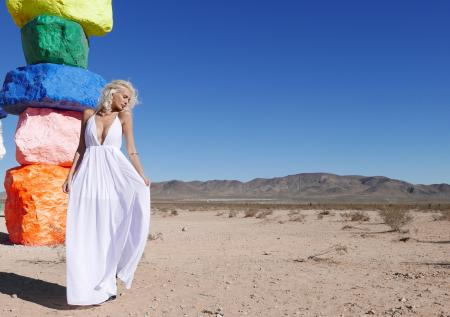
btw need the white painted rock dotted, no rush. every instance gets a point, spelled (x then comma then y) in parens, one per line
(47, 136)
(2, 147)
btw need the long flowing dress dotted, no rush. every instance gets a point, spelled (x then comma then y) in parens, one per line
(108, 219)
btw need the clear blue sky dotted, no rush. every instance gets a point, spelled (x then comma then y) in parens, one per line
(240, 89)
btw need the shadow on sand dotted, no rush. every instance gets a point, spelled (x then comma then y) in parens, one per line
(443, 264)
(43, 293)
(4, 239)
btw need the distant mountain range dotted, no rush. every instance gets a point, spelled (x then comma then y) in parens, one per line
(304, 187)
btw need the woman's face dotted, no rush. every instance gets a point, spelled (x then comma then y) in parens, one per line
(120, 99)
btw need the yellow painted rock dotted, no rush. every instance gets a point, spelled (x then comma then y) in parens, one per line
(36, 206)
(95, 16)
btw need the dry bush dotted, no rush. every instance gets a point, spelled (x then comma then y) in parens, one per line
(338, 249)
(355, 216)
(250, 212)
(155, 236)
(297, 217)
(443, 216)
(323, 213)
(220, 213)
(61, 253)
(174, 212)
(264, 213)
(232, 213)
(216, 205)
(395, 216)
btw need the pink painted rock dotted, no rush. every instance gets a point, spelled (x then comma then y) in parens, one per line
(47, 136)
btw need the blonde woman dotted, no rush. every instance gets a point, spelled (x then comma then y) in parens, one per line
(108, 215)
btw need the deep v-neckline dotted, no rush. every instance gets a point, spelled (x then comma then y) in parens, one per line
(107, 131)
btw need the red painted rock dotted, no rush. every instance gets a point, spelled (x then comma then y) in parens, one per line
(35, 208)
(47, 136)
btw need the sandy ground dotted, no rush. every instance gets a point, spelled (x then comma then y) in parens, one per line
(222, 266)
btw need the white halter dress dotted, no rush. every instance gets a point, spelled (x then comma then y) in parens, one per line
(108, 219)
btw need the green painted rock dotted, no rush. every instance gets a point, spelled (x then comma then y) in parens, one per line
(52, 39)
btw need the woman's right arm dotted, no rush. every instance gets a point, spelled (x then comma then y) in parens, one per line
(78, 157)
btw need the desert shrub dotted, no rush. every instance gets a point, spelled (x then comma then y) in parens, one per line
(323, 213)
(219, 213)
(250, 212)
(444, 215)
(155, 236)
(232, 213)
(174, 212)
(264, 213)
(355, 216)
(297, 217)
(395, 216)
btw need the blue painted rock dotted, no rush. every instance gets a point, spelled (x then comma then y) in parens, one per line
(52, 39)
(50, 86)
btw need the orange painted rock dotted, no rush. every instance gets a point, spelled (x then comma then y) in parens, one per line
(35, 208)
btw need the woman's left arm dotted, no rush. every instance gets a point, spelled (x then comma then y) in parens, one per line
(127, 124)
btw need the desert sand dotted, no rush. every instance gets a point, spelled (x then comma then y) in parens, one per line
(205, 263)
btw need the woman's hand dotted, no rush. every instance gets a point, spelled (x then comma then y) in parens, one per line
(146, 180)
(66, 185)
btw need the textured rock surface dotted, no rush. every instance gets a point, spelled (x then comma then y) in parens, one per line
(47, 136)
(50, 86)
(94, 15)
(35, 208)
(52, 39)
(2, 147)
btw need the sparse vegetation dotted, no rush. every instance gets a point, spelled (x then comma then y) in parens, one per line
(293, 212)
(232, 213)
(250, 212)
(297, 217)
(395, 216)
(264, 214)
(355, 216)
(61, 253)
(323, 213)
(237, 205)
(338, 248)
(155, 236)
(443, 216)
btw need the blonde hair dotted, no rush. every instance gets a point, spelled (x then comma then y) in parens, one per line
(105, 100)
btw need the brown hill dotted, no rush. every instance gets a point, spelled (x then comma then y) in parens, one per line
(305, 187)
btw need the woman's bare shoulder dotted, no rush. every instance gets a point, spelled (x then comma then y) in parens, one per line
(125, 115)
(87, 113)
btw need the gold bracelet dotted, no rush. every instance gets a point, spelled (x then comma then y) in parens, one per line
(134, 153)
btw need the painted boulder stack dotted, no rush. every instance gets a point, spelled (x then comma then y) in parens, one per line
(3, 115)
(52, 39)
(49, 95)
